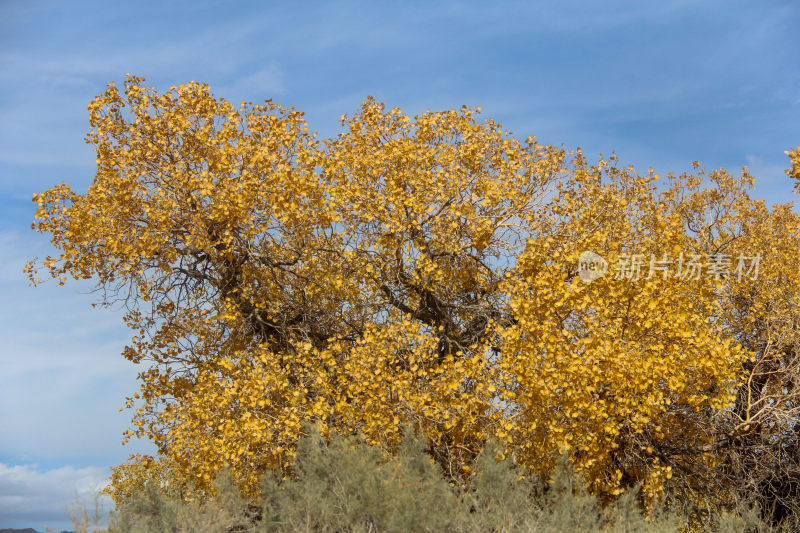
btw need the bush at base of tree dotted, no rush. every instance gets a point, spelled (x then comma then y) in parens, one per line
(348, 486)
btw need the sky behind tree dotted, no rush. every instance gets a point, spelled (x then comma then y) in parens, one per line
(661, 83)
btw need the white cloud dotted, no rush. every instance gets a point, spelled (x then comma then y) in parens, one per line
(36, 497)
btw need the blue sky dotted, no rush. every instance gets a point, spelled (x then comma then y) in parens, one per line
(661, 83)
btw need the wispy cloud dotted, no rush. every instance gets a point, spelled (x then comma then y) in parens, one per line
(265, 81)
(63, 378)
(30, 496)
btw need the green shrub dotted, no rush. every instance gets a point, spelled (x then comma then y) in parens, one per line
(348, 486)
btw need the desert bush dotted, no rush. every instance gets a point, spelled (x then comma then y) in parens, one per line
(347, 485)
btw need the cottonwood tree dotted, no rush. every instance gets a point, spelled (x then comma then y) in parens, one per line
(423, 270)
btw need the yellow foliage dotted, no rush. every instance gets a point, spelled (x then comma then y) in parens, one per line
(410, 270)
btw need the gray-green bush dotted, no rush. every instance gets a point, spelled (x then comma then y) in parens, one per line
(346, 485)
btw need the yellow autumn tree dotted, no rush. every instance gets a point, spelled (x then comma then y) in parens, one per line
(421, 270)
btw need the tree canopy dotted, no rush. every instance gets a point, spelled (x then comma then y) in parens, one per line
(427, 270)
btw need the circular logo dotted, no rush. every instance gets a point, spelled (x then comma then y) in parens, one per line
(591, 266)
